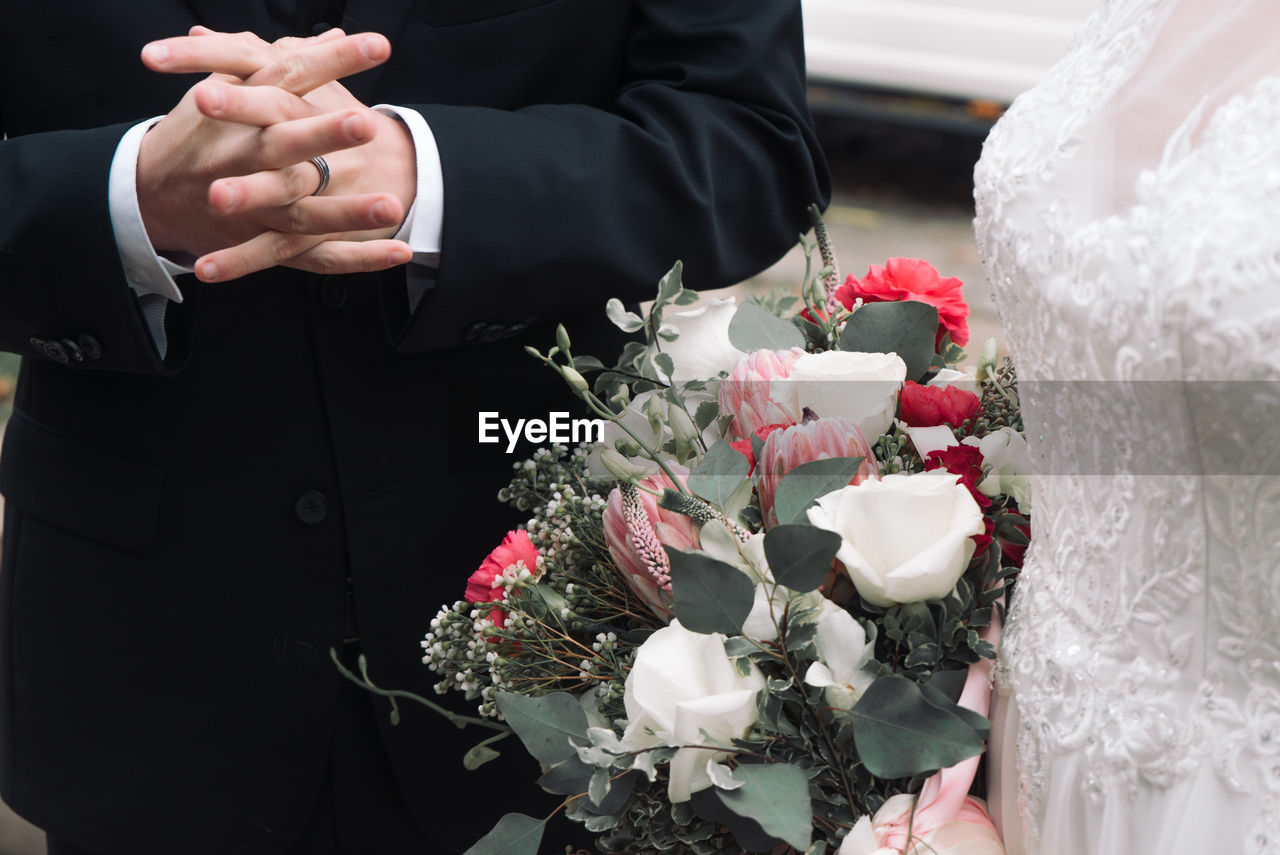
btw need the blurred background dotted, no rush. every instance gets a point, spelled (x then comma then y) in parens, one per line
(903, 93)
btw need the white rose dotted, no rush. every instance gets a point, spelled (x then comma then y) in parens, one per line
(843, 653)
(703, 349)
(1005, 451)
(861, 387)
(966, 380)
(907, 538)
(682, 684)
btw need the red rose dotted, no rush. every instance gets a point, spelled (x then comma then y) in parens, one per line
(928, 406)
(515, 548)
(964, 461)
(917, 280)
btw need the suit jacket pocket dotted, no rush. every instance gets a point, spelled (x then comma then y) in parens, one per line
(446, 13)
(105, 495)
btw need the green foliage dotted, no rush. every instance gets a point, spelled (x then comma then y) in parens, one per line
(719, 474)
(547, 724)
(515, 834)
(776, 797)
(908, 329)
(807, 482)
(800, 556)
(755, 328)
(709, 595)
(899, 732)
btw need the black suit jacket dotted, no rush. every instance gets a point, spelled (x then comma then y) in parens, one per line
(179, 535)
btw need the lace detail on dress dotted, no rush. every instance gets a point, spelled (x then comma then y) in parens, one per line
(1142, 645)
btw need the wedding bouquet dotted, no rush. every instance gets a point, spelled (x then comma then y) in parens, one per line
(759, 614)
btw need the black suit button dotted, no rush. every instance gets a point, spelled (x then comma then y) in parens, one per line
(333, 292)
(473, 332)
(312, 507)
(56, 352)
(492, 333)
(90, 346)
(39, 345)
(77, 355)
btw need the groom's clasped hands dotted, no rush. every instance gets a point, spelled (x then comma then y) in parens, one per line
(227, 175)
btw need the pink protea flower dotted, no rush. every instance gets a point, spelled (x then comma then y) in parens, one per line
(636, 529)
(816, 439)
(744, 394)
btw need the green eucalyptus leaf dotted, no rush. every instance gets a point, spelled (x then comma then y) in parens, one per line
(568, 777)
(719, 474)
(776, 797)
(709, 595)
(800, 556)
(899, 733)
(621, 318)
(801, 486)
(478, 756)
(515, 834)
(981, 724)
(755, 328)
(906, 328)
(545, 724)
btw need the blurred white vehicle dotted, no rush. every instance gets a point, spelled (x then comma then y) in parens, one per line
(918, 56)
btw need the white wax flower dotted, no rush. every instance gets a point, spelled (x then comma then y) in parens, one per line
(906, 538)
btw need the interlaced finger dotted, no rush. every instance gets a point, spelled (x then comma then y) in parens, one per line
(340, 256)
(244, 55)
(268, 189)
(335, 214)
(258, 253)
(312, 66)
(249, 105)
(297, 141)
(237, 54)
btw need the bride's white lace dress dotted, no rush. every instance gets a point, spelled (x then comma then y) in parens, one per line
(1129, 220)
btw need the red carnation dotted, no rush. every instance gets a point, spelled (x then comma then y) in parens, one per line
(516, 547)
(743, 447)
(928, 406)
(964, 461)
(917, 280)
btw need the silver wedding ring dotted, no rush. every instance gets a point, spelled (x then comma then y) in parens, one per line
(324, 174)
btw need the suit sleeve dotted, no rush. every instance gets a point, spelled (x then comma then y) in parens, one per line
(706, 154)
(63, 293)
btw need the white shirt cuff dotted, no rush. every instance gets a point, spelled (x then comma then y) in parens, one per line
(146, 271)
(423, 224)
